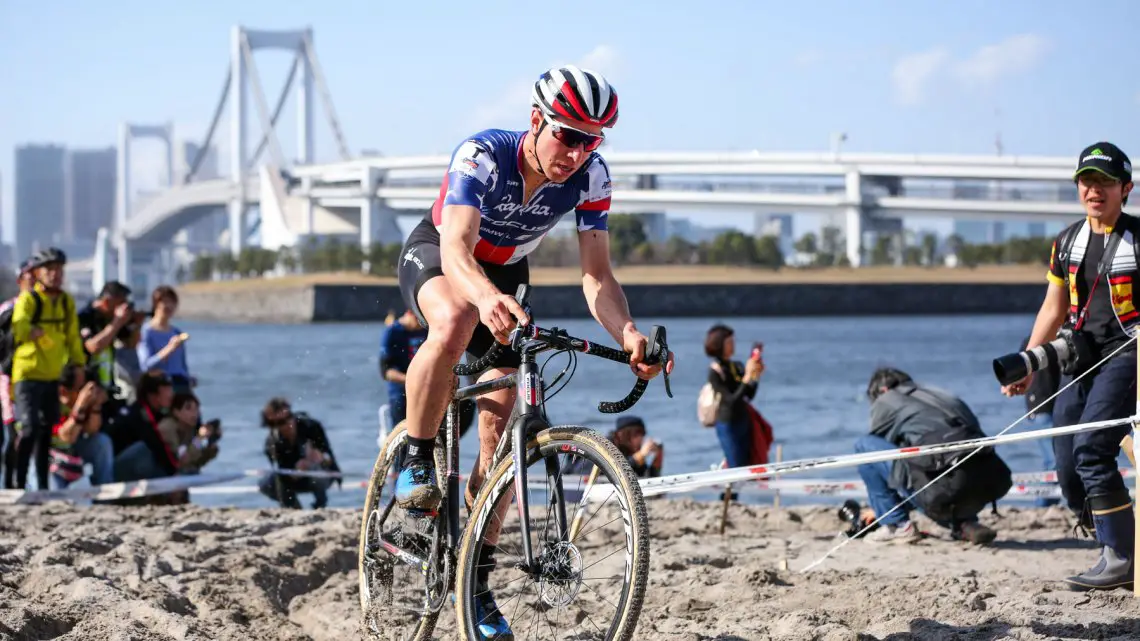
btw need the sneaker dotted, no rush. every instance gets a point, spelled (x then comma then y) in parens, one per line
(904, 534)
(489, 622)
(416, 490)
(974, 532)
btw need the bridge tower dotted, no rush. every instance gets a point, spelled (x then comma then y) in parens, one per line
(124, 194)
(243, 81)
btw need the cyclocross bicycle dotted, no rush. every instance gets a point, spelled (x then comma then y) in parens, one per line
(554, 576)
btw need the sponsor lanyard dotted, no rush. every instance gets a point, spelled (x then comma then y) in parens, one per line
(1111, 241)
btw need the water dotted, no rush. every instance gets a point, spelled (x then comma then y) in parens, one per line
(813, 390)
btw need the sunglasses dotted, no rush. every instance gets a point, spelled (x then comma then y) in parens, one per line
(572, 137)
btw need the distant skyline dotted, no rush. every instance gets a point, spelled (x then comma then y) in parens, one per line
(408, 78)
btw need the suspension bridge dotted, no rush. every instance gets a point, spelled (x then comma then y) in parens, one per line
(294, 198)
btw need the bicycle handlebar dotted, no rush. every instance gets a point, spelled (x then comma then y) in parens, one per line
(657, 352)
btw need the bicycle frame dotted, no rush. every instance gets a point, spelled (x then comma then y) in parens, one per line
(528, 419)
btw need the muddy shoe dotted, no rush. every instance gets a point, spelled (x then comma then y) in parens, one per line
(416, 490)
(974, 532)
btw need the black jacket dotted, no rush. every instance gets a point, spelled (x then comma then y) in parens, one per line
(734, 394)
(285, 454)
(910, 414)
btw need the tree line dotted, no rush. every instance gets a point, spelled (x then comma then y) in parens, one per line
(630, 245)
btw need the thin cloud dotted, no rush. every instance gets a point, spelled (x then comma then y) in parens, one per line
(1009, 57)
(915, 73)
(513, 101)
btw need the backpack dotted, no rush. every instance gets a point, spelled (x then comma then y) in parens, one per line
(1068, 238)
(708, 401)
(7, 339)
(962, 494)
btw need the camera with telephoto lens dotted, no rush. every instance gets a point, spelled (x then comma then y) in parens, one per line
(1070, 351)
(852, 514)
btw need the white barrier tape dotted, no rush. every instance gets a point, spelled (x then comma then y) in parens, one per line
(109, 491)
(812, 487)
(854, 489)
(684, 482)
(316, 474)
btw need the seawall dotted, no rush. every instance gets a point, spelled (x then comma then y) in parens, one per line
(304, 303)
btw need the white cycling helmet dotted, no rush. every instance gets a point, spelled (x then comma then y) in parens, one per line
(576, 94)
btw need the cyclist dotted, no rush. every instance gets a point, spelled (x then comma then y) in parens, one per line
(460, 267)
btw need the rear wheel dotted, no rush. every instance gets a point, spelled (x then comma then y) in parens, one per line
(589, 576)
(394, 594)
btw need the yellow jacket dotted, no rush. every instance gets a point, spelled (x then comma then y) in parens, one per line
(45, 358)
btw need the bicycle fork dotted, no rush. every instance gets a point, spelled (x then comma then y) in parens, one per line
(529, 400)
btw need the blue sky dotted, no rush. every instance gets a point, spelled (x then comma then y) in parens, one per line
(411, 78)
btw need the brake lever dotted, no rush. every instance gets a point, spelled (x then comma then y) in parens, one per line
(659, 353)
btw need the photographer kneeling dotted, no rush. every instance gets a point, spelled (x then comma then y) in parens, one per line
(1092, 279)
(904, 414)
(296, 441)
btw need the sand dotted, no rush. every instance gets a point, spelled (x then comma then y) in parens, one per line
(145, 574)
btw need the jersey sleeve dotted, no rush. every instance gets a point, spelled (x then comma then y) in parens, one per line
(471, 175)
(594, 206)
(1056, 274)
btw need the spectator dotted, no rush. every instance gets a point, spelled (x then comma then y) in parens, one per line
(100, 323)
(45, 330)
(296, 442)
(77, 438)
(743, 433)
(194, 444)
(645, 455)
(1043, 386)
(161, 346)
(127, 367)
(905, 414)
(26, 280)
(140, 451)
(398, 346)
(191, 442)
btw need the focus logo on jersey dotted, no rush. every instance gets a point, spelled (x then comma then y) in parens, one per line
(485, 173)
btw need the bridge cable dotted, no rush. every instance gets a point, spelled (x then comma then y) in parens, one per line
(262, 106)
(326, 96)
(205, 147)
(276, 112)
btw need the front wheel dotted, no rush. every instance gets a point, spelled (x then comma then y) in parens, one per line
(393, 594)
(591, 549)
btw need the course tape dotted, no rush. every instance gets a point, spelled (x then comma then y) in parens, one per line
(695, 480)
(677, 483)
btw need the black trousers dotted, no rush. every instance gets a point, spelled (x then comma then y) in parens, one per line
(1086, 462)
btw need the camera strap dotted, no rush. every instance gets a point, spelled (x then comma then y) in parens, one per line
(1111, 242)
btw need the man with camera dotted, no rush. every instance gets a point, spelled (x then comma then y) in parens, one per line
(906, 414)
(298, 442)
(1089, 301)
(100, 323)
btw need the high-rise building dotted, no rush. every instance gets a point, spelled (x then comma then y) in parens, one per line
(41, 186)
(90, 197)
(782, 226)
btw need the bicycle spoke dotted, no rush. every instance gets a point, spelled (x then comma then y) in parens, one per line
(559, 598)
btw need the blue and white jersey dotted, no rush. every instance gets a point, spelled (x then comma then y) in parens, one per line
(485, 172)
